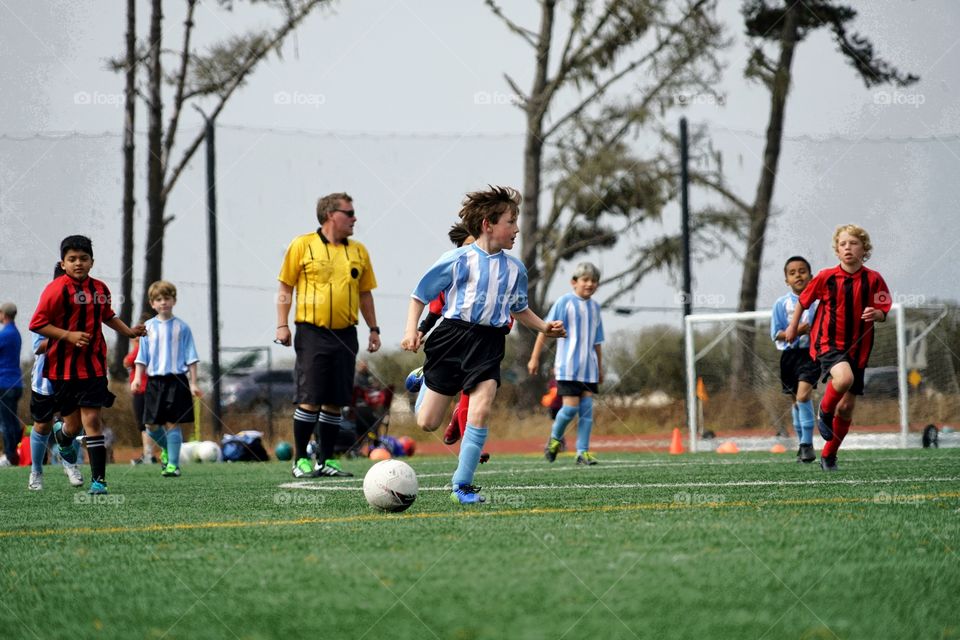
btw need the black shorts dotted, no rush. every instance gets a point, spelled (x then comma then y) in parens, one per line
(797, 366)
(326, 363)
(42, 408)
(460, 355)
(70, 395)
(168, 400)
(830, 358)
(574, 388)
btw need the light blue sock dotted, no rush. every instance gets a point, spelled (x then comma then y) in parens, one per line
(38, 450)
(470, 449)
(564, 416)
(795, 412)
(159, 436)
(805, 409)
(420, 396)
(174, 440)
(584, 424)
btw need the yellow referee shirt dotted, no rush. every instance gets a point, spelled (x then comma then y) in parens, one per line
(328, 279)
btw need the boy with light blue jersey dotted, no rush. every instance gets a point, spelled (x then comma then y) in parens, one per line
(167, 355)
(482, 287)
(43, 409)
(798, 370)
(578, 363)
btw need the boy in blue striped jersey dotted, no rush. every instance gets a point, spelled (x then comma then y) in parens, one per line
(482, 287)
(43, 409)
(167, 356)
(798, 370)
(579, 361)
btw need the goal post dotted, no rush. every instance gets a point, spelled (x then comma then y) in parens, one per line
(912, 377)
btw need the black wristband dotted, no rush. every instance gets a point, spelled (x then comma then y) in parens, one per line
(375, 329)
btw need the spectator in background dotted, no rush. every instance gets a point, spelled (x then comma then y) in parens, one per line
(11, 381)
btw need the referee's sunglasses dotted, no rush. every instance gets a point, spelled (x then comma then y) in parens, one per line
(350, 213)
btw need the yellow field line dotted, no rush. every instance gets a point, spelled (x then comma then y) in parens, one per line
(884, 499)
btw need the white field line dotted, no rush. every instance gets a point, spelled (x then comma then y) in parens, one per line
(312, 486)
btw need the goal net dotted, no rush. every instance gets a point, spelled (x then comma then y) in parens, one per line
(733, 377)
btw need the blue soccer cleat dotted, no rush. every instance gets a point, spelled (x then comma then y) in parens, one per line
(414, 380)
(69, 454)
(98, 488)
(466, 494)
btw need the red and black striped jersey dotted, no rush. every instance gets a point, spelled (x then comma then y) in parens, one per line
(843, 296)
(75, 306)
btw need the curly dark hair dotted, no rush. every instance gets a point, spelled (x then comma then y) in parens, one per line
(488, 205)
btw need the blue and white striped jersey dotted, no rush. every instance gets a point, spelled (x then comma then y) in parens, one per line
(480, 288)
(782, 312)
(167, 348)
(39, 384)
(576, 359)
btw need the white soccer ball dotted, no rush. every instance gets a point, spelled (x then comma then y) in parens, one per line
(391, 485)
(208, 452)
(188, 452)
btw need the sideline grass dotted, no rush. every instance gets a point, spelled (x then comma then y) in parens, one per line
(751, 546)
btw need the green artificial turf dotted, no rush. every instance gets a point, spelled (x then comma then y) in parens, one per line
(640, 546)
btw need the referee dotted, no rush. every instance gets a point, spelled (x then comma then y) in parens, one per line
(333, 279)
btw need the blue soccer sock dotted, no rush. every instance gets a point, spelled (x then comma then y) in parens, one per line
(38, 450)
(159, 435)
(420, 396)
(584, 424)
(564, 416)
(795, 414)
(805, 410)
(470, 449)
(174, 440)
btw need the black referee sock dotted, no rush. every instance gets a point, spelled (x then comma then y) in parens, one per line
(329, 432)
(303, 422)
(98, 458)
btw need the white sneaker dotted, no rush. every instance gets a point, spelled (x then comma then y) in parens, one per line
(36, 481)
(73, 474)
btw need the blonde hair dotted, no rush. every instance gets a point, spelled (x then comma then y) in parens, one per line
(587, 269)
(162, 289)
(857, 232)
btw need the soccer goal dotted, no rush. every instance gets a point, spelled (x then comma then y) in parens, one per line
(912, 379)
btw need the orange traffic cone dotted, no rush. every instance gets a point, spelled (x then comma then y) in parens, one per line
(778, 448)
(728, 447)
(676, 443)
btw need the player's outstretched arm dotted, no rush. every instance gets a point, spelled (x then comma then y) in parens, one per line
(552, 329)
(121, 327)
(411, 339)
(534, 363)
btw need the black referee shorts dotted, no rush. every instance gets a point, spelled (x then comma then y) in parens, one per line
(460, 355)
(168, 400)
(797, 366)
(326, 361)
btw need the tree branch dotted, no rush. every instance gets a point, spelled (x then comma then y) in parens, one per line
(526, 34)
(181, 80)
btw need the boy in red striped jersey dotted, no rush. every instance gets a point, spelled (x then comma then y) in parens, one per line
(70, 313)
(852, 298)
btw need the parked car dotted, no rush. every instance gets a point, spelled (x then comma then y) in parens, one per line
(881, 382)
(254, 390)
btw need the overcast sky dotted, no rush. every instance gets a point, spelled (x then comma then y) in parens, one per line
(403, 104)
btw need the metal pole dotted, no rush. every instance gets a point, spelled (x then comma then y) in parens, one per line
(685, 218)
(216, 401)
(691, 382)
(902, 372)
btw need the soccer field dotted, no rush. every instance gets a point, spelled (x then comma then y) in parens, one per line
(641, 546)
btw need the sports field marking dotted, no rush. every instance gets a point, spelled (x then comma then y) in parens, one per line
(313, 486)
(467, 513)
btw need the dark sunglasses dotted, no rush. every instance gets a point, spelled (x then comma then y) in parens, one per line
(350, 213)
